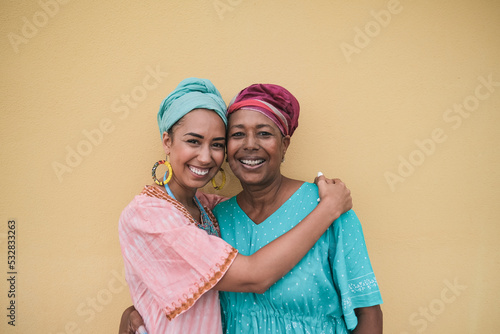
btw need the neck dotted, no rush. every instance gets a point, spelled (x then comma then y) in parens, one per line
(262, 195)
(182, 194)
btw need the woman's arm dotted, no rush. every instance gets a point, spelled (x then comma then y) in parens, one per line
(257, 272)
(210, 200)
(370, 320)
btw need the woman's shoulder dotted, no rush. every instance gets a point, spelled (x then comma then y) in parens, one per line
(305, 189)
(139, 199)
(226, 204)
(149, 197)
(348, 223)
(151, 205)
(308, 186)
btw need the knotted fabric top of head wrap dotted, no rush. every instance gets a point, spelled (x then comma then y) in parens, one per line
(274, 101)
(191, 93)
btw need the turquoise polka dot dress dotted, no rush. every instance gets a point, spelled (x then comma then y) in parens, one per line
(320, 293)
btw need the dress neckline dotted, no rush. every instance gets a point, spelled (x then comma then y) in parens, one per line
(207, 219)
(281, 207)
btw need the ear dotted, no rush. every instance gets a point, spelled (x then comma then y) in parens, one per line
(285, 142)
(167, 142)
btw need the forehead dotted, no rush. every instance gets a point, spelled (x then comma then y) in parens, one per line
(201, 120)
(250, 118)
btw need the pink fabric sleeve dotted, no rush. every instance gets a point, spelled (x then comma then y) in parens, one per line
(166, 255)
(210, 200)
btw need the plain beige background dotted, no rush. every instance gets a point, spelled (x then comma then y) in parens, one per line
(399, 98)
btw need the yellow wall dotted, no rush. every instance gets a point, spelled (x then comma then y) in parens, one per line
(385, 88)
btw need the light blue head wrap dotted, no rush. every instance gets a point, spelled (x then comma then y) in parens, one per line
(191, 93)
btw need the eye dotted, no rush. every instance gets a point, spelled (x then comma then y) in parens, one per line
(219, 145)
(193, 141)
(237, 134)
(265, 134)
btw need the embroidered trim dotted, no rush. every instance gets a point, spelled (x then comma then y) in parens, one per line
(153, 191)
(367, 283)
(206, 284)
(213, 219)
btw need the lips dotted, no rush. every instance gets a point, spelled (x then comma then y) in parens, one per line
(199, 171)
(252, 162)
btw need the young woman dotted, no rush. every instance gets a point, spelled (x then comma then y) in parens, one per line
(174, 260)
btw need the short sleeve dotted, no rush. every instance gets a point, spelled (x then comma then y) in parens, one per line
(166, 255)
(352, 270)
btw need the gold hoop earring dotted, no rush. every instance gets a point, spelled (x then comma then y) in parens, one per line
(216, 187)
(169, 177)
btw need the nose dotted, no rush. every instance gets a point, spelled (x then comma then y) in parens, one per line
(205, 155)
(250, 142)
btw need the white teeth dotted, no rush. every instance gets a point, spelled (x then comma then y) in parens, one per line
(198, 171)
(252, 162)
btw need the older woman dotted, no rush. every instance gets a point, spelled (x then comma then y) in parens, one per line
(174, 260)
(333, 288)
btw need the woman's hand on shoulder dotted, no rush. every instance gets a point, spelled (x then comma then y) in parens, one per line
(334, 194)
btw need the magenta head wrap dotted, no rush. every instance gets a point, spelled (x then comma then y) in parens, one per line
(274, 101)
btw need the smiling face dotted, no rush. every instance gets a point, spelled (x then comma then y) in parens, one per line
(255, 147)
(196, 147)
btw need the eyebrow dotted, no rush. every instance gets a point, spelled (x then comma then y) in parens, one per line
(258, 126)
(202, 137)
(194, 135)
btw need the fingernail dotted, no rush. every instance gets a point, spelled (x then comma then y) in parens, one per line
(319, 174)
(141, 330)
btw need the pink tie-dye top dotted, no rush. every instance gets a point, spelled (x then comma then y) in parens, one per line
(171, 264)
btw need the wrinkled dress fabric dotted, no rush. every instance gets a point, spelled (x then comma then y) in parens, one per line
(171, 263)
(320, 293)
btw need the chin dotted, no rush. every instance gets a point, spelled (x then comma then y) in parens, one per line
(195, 184)
(250, 179)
